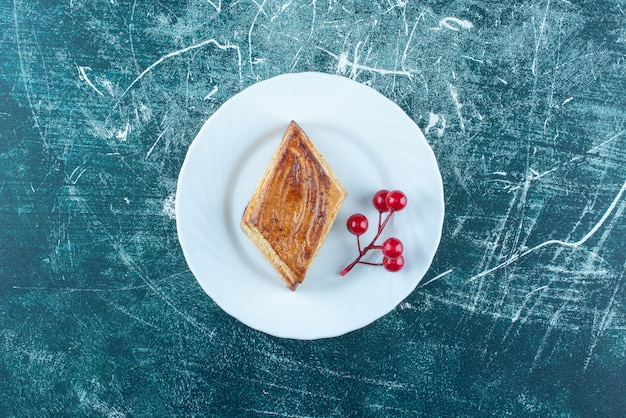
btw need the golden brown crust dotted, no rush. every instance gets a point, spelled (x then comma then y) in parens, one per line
(293, 206)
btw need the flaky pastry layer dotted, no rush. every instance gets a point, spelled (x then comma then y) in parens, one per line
(293, 206)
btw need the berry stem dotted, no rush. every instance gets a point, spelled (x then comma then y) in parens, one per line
(371, 246)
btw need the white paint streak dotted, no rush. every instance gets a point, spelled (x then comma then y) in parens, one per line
(106, 83)
(211, 93)
(75, 180)
(437, 277)
(285, 6)
(344, 63)
(602, 144)
(405, 53)
(125, 311)
(575, 244)
(130, 263)
(604, 324)
(472, 59)
(438, 122)
(542, 28)
(217, 7)
(256, 16)
(83, 76)
(455, 98)
(165, 57)
(155, 142)
(525, 302)
(544, 341)
(454, 24)
(169, 207)
(121, 134)
(536, 175)
(25, 76)
(353, 73)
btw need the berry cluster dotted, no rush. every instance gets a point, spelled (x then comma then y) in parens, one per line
(388, 202)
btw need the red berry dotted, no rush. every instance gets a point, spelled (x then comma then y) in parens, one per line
(357, 224)
(379, 200)
(396, 200)
(392, 248)
(393, 264)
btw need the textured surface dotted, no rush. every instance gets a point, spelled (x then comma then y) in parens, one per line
(523, 312)
(293, 206)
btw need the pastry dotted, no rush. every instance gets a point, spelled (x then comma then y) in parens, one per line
(293, 206)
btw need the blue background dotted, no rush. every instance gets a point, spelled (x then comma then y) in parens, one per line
(522, 313)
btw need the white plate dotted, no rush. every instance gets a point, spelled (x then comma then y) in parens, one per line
(369, 142)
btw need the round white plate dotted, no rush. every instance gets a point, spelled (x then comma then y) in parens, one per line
(369, 142)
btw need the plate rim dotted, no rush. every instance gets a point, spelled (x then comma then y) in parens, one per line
(224, 108)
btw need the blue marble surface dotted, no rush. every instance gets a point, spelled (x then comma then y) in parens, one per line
(522, 313)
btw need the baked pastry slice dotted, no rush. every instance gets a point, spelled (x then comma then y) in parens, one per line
(293, 206)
